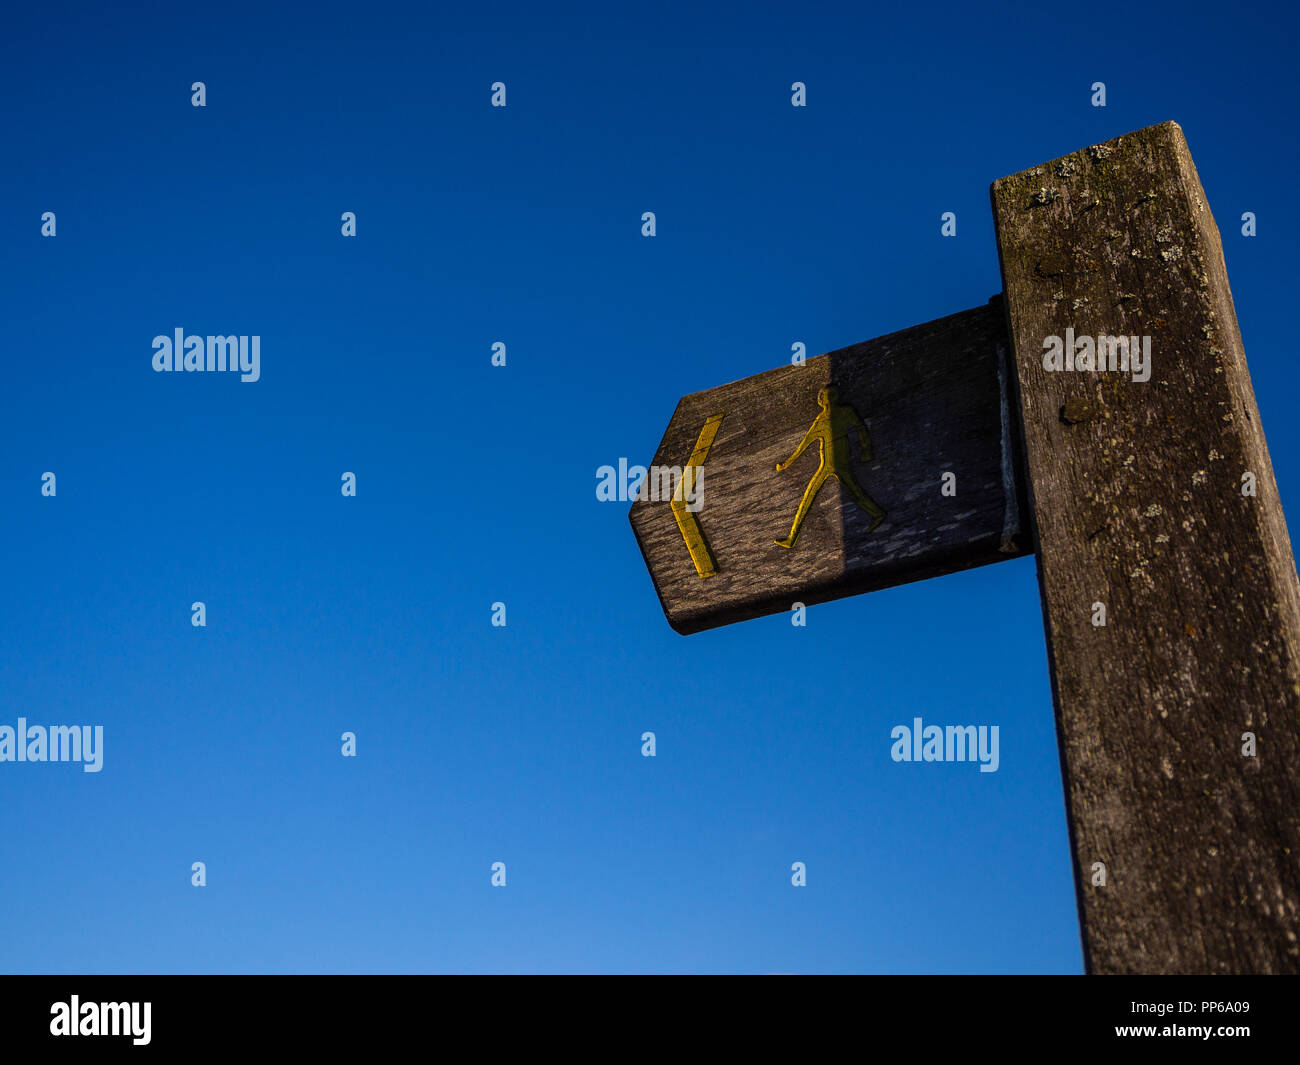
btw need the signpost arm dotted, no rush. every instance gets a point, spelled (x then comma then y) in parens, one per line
(1169, 590)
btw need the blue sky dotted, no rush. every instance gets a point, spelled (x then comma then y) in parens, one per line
(476, 484)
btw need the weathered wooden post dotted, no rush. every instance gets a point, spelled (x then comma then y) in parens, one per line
(1179, 718)
(1103, 402)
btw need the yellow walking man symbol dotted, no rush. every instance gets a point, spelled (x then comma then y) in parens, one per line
(831, 430)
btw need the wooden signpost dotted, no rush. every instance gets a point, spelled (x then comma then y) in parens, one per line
(1100, 414)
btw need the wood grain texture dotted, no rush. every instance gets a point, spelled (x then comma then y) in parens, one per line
(1137, 503)
(932, 399)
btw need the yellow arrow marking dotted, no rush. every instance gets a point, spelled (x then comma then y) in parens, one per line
(686, 521)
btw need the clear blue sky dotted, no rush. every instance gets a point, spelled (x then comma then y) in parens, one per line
(475, 485)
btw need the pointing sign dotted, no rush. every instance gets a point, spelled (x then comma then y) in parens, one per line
(808, 483)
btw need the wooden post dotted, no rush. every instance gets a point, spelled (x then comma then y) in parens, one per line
(1154, 501)
(1168, 585)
